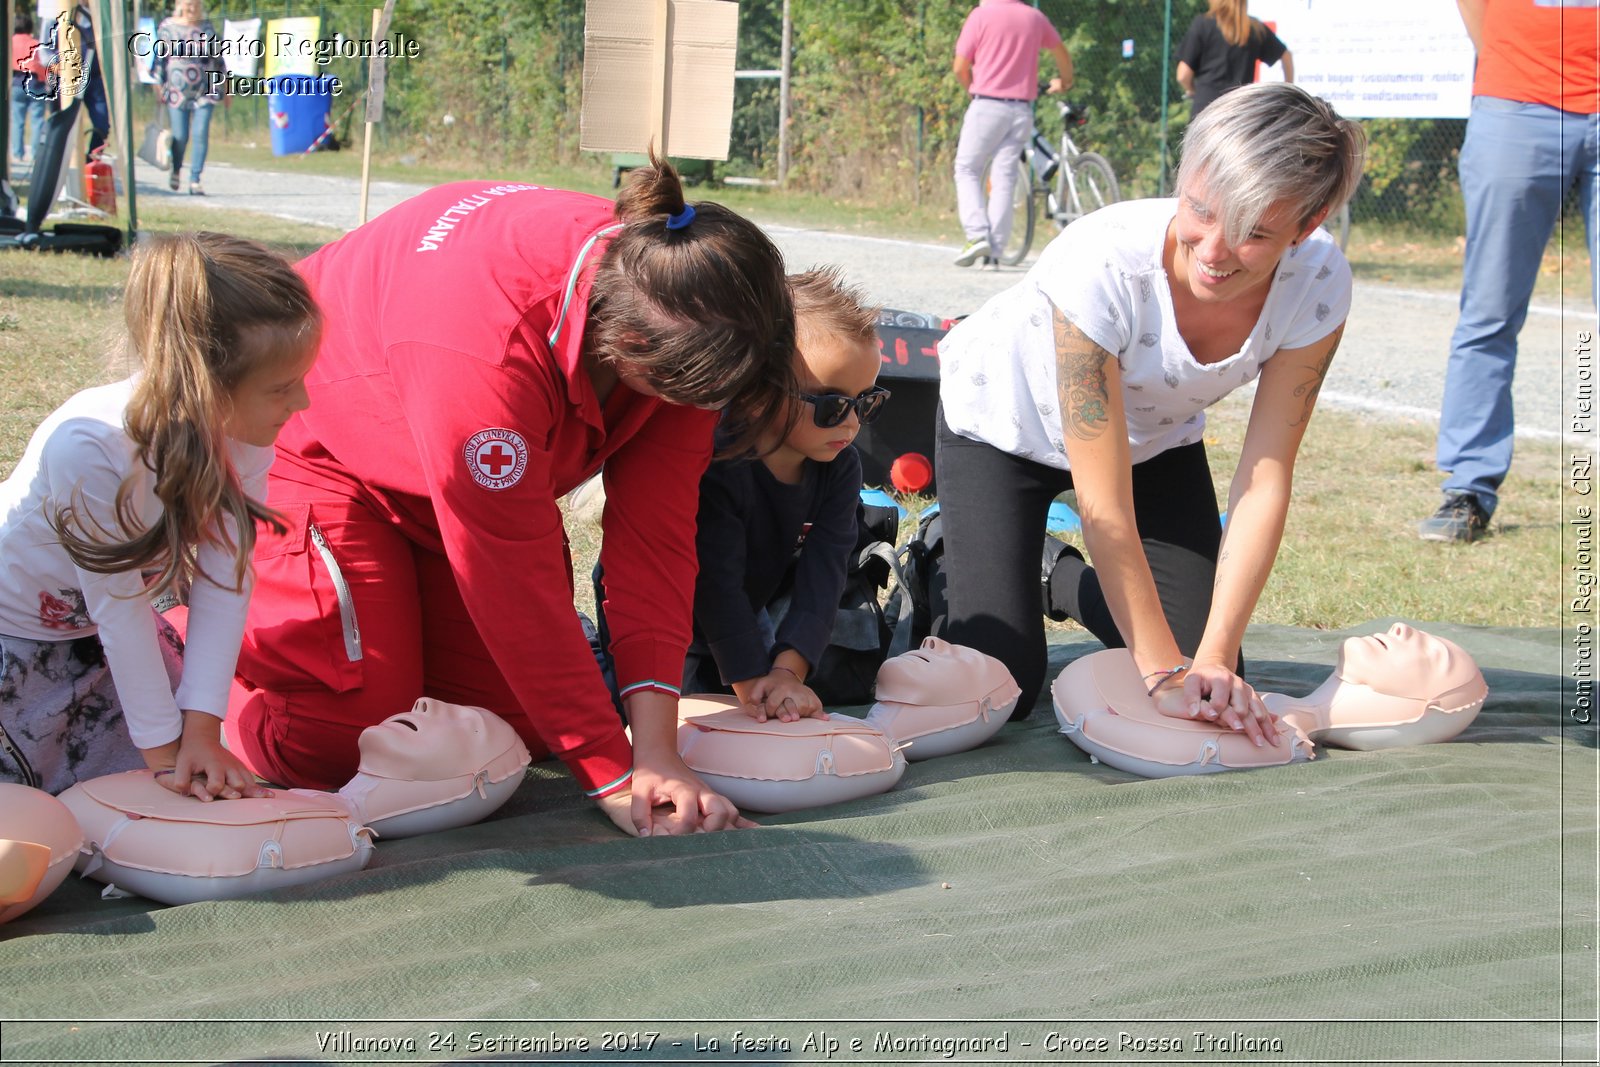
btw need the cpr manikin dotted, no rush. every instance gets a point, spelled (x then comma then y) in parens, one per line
(431, 768)
(778, 766)
(934, 700)
(39, 839)
(1402, 687)
(942, 698)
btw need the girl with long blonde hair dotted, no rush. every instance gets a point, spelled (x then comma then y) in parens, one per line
(148, 487)
(1221, 50)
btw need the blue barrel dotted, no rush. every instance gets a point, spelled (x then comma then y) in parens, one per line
(297, 110)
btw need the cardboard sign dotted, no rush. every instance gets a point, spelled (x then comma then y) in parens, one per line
(291, 46)
(659, 72)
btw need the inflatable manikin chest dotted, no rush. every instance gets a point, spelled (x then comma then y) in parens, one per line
(143, 838)
(435, 767)
(1402, 687)
(777, 766)
(942, 698)
(39, 840)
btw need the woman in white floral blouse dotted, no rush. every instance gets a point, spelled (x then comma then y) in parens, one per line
(193, 80)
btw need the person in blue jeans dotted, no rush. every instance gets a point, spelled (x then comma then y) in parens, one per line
(28, 76)
(192, 77)
(1534, 134)
(91, 89)
(61, 53)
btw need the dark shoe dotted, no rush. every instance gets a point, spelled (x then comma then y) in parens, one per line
(173, 182)
(1053, 551)
(1460, 518)
(974, 251)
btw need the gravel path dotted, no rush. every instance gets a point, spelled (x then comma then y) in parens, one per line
(1391, 362)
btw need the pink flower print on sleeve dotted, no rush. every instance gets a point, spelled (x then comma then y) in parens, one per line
(63, 614)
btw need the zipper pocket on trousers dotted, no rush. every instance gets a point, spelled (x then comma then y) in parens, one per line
(341, 589)
(30, 777)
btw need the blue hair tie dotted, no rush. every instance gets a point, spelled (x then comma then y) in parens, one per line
(682, 219)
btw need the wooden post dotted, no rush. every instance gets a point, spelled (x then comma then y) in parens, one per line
(783, 98)
(661, 70)
(366, 147)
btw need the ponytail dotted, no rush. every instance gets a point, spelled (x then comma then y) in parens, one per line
(203, 312)
(693, 298)
(653, 191)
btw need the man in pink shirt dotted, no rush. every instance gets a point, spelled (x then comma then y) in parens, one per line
(997, 61)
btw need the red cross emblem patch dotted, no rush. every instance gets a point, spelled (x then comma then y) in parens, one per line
(496, 457)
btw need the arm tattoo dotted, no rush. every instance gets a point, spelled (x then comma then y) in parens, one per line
(1309, 389)
(1080, 380)
(1216, 577)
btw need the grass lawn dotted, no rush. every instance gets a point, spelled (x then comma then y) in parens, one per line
(1349, 554)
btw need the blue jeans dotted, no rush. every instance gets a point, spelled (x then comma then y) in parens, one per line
(1517, 164)
(190, 127)
(22, 107)
(98, 110)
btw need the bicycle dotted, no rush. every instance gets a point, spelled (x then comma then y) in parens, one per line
(1067, 181)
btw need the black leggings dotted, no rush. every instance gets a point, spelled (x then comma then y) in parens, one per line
(994, 505)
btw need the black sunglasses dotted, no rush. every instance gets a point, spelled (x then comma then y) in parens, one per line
(830, 409)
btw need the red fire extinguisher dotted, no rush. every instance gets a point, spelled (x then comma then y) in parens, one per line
(100, 184)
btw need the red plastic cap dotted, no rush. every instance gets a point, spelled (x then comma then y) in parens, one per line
(911, 473)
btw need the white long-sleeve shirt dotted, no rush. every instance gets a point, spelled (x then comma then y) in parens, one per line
(82, 449)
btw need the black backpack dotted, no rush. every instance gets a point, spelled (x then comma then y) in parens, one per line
(875, 622)
(862, 633)
(922, 577)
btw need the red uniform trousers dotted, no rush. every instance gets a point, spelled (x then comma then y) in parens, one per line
(301, 700)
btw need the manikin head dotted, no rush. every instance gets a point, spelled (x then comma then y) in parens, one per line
(942, 698)
(434, 741)
(939, 673)
(1405, 662)
(434, 767)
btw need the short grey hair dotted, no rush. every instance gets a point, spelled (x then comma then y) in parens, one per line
(1262, 144)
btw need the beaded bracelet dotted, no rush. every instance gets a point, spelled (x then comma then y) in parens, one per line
(1161, 677)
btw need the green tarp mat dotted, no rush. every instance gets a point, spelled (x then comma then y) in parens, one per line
(1012, 904)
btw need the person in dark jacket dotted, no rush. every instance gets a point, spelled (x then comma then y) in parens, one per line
(775, 532)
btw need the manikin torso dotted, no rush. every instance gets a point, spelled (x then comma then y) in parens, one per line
(433, 767)
(931, 701)
(1401, 687)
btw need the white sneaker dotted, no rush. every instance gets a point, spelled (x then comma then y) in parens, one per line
(975, 250)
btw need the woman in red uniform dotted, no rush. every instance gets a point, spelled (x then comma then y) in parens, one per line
(488, 347)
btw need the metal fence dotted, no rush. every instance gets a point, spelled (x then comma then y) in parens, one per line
(875, 111)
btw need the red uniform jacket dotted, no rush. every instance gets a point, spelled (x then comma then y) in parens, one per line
(449, 393)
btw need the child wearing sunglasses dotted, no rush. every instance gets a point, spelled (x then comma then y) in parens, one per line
(776, 532)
